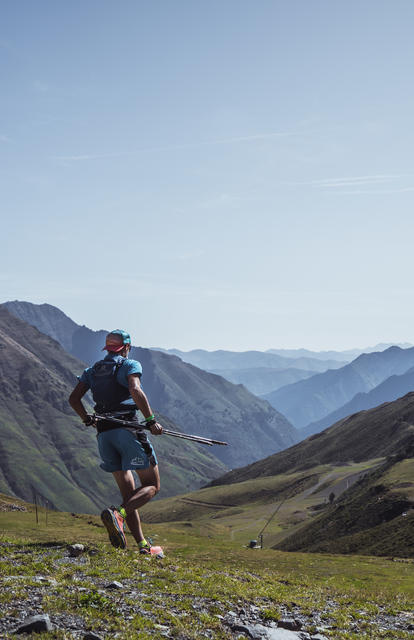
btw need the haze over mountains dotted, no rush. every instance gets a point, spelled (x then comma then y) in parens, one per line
(392, 388)
(341, 356)
(234, 360)
(260, 372)
(311, 400)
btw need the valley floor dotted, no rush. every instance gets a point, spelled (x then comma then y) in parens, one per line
(206, 586)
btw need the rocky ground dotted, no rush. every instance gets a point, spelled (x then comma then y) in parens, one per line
(61, 592)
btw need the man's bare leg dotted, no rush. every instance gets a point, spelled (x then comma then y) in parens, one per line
(134, 498)
(126, 483)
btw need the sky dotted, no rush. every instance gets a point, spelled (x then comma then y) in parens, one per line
(230, 174)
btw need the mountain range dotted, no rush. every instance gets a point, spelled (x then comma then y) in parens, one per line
(342, 356)
(235, 360)
(311, 400)
(392, 388)
(262, 380)
(199, 402)
(259, 371)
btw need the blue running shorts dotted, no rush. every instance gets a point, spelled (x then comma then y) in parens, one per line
(121, 451)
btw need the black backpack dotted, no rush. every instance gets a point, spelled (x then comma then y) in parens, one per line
(106, 390)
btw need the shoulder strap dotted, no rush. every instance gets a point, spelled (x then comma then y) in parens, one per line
(118, 364)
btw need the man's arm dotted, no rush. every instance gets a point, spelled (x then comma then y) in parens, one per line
(141, 401)
(75, 401)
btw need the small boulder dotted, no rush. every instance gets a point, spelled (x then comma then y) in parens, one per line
(290, 623)
(37, 624)
(114, 585)
(90, 635)
(75, 550)
(45, 580)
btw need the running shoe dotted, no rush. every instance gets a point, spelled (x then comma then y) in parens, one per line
(114, 523)
(144, 548)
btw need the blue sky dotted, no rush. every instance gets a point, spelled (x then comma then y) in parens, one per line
(233, 174)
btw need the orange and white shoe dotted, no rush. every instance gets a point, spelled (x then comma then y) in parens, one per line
(114, 523)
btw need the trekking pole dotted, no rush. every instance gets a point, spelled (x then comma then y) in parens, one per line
(168, 432)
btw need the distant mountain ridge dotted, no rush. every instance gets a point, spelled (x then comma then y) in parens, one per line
(198, 401)
(260, 372)
(222, 359)
(342, 356)
(313, 399)
(262, 380)
(392, 388)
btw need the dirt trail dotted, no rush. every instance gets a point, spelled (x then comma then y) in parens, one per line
(200, 503)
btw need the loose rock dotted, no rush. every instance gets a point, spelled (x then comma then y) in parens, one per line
(293, 624)
(36, 624)
(75, 550)
(114, 585)
(260, 632)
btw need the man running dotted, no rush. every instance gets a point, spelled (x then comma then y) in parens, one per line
(116, 390)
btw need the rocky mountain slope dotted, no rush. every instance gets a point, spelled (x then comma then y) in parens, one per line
(48, 319)
(311, 400)
(43, 446)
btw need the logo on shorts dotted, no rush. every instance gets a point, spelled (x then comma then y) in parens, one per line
(137, 461)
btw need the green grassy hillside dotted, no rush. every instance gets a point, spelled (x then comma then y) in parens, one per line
(206, 586)
(364, 507)
(376, 515)
(366, 514)
(382, 431)
(244, 508)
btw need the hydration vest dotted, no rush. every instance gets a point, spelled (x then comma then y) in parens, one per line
(107, 393)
